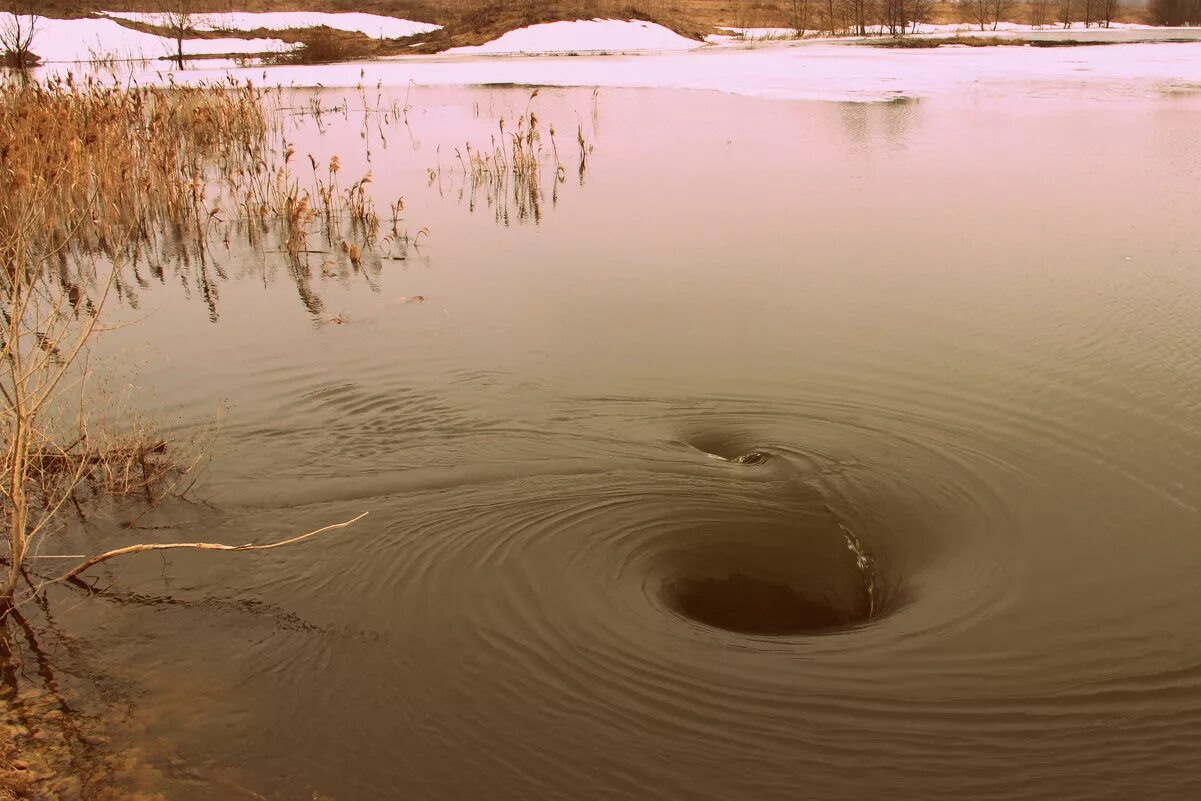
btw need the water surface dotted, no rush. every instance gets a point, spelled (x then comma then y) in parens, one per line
(800, 449)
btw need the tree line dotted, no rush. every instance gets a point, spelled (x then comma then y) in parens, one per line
(1176, 12)
(901, 17)
(858, 17)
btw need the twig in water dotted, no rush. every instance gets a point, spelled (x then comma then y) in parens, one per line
(201, 546)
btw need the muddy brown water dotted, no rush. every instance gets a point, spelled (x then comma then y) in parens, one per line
(805, 450)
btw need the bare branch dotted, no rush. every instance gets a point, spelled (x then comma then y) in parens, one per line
(200, 546)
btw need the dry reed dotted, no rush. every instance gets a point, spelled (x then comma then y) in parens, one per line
(99, 180)
(509, 174)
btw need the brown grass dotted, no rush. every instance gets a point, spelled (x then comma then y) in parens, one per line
(109, 169)
(146, 152)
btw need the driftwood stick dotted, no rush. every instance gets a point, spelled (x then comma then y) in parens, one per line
(201, 546)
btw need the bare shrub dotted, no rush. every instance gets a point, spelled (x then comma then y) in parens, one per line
(322, 45)
(181, 20)
(19, 26)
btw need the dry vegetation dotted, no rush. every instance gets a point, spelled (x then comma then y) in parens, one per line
(507, 176)
(92, 177)
(102, 182)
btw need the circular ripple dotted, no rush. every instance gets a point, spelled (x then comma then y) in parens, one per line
(734, 593)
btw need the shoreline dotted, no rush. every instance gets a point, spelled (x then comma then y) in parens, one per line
(320, 37)
(837, 72)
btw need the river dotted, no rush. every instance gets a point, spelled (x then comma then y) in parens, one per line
(790, 449)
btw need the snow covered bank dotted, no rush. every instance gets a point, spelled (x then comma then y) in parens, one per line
(60, 40)
(815, 71)
(583, 36)
(374, 25)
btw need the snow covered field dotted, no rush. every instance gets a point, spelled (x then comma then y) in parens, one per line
(373, 25)
(66, 40)
(819, 71)
(815, 70)
(583, 36)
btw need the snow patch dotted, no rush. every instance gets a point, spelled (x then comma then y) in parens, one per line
(59, 40)
(583, 36)
(374, 25)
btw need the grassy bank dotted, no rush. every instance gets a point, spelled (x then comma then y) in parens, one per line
(474, 22)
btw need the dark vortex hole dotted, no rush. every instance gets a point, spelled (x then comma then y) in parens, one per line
(751, 605)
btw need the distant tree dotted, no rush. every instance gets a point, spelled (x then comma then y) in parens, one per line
(920, 12)
(830, 19)
(1000, 11)
(989, 14)
(895, 16)
(801, 13)
(1107, 11)
(900, 17)
(1040, 13)
(180, 21)
(976, 12)
(858, 15)
(18, 28)
(1065, 13)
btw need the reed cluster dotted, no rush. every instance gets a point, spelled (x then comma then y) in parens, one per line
(509, 174)
(90, 168)
(106, 169)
